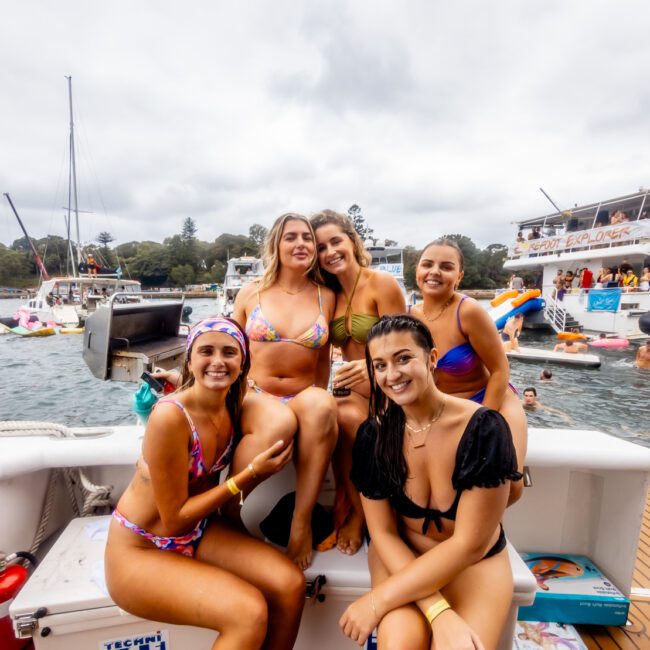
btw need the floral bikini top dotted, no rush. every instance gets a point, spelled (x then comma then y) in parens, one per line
(197, 467)
(259, 329)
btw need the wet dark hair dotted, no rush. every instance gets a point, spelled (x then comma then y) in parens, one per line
(546, 373)
(237, 391)
(530, 389)
(452, 243)
(388, 416)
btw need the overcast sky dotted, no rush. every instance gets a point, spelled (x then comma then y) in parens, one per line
(434, 117)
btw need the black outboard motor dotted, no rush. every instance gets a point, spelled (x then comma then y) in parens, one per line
(185, 316)
(644, 323)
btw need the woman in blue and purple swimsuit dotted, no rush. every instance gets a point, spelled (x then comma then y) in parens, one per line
(472, 361)
(170, 555)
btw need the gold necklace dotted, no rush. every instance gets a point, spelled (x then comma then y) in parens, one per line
(291, 293)
(440, 313)
(427, 427)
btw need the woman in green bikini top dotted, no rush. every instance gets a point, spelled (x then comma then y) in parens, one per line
(363, 296)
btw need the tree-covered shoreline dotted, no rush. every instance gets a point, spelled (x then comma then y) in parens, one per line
(183, 259)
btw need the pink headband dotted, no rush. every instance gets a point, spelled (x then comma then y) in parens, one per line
(217, 324)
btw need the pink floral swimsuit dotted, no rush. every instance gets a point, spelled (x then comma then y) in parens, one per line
(188, 543)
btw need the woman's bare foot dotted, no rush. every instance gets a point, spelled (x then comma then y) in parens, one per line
(299, 548)
(350, 535)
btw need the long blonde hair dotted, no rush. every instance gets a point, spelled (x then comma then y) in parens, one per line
(272, 247)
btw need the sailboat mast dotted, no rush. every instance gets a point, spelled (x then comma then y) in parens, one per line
(73, 167)
(39, 262)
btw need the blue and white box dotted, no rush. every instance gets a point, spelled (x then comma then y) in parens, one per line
(572, 589)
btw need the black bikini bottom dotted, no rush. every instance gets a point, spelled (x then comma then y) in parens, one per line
(499, 545)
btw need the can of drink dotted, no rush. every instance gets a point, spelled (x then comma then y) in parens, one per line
(342, 391)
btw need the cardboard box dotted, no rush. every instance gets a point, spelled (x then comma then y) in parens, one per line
(572, 589)
(536, 635)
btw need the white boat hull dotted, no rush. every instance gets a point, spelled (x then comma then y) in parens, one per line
(587, 496)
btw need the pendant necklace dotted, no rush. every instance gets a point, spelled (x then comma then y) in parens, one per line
(426, 428)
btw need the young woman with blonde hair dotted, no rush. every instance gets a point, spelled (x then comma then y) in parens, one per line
(363, 296)
(286, 315)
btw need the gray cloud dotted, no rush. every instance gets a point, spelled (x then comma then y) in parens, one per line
(427, 115)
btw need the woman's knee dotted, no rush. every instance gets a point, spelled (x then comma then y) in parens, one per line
(349, 419)
(250, 616)
(403, 636)
(287, 585)
(317, 414)
(273, 423)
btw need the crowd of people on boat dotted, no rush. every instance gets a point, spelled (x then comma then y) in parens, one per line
(622, 276)
(572, 223)
(427, 440)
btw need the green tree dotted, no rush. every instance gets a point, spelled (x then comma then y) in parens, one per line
(105, 238)
(16, 269)
(411, 256)
(358, 220)
(491, 263)
(151, 264)
(189, 243)
(182, 275)
(473, 274)
(257, 234)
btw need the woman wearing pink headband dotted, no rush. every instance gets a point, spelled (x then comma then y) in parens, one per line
(170, 555)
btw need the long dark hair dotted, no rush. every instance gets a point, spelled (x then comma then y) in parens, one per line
(388, 416)
(237, 391)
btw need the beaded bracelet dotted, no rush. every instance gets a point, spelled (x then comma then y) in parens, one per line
(233, 488)
(435, 610)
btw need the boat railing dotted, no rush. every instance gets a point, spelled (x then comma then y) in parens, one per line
(555, 314)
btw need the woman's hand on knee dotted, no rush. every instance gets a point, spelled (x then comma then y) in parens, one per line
(272, 460)
(359, 619)
(451, 632)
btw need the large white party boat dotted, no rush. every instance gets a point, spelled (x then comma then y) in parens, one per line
(610, 234)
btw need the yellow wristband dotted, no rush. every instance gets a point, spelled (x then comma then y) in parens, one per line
(233, 488)
(435, 610)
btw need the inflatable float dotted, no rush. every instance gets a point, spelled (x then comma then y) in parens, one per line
(71, 330)
(610, 343)
(43, 331)
(549, 356)
(509, 303)
(571, 336)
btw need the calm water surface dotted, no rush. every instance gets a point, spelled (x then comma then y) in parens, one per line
(46, 379)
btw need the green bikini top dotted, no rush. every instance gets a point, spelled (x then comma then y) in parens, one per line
(360, 324)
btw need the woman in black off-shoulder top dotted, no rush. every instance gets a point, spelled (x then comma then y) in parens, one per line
(434, 472)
